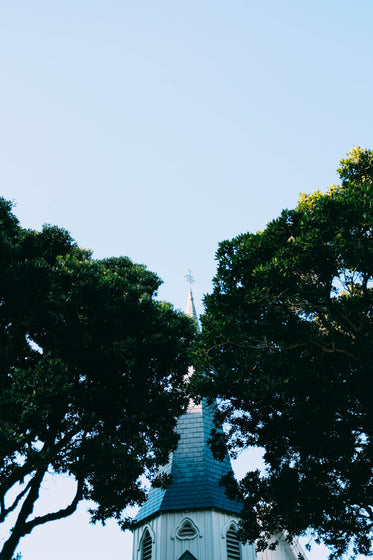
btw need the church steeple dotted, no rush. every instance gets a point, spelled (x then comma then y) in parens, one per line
(196, 474)
(193, 518)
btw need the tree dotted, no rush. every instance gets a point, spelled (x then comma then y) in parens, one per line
(287, 344)
(91, 375)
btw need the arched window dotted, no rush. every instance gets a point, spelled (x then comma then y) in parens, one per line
(233, 544)
(146, 547)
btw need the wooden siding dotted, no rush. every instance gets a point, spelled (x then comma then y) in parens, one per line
(209, 544)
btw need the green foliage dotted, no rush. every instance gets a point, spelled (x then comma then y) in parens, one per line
(91, 375)
(287, 343)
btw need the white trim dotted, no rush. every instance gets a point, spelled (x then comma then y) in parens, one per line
(194, 526)
(227, 526)
(151, 533)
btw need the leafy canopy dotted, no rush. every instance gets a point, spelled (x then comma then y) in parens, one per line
(91, 375)
(287, 342)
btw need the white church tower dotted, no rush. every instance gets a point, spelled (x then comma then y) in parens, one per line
(193, 519)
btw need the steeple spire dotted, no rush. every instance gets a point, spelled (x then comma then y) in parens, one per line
(190, 308)
(195, 471)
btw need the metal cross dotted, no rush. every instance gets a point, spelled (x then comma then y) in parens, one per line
(190, 278)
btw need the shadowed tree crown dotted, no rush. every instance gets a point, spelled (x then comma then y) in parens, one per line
(287, 343)
(92, 373)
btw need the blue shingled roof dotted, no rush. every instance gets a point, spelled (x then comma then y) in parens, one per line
(195, 473)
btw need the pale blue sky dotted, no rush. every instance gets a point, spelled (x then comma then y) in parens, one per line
(157, 129)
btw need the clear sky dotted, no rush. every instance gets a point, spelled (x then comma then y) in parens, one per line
(157, 129)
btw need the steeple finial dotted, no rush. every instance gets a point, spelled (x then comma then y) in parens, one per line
(190, 279)
(190, 309)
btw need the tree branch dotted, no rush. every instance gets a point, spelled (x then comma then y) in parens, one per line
(34, 462)
(346, 319)
(18, 530)
(332, 350)
(58, 514)
(5, 511)
(17, 475)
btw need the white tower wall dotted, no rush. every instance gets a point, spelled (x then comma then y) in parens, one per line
(209, 543)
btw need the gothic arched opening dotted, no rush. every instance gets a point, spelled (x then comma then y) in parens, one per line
(146, 546)
(233, 544)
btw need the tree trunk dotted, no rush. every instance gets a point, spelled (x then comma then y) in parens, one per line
(23, 527)
(20, 528)
(10, 546)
